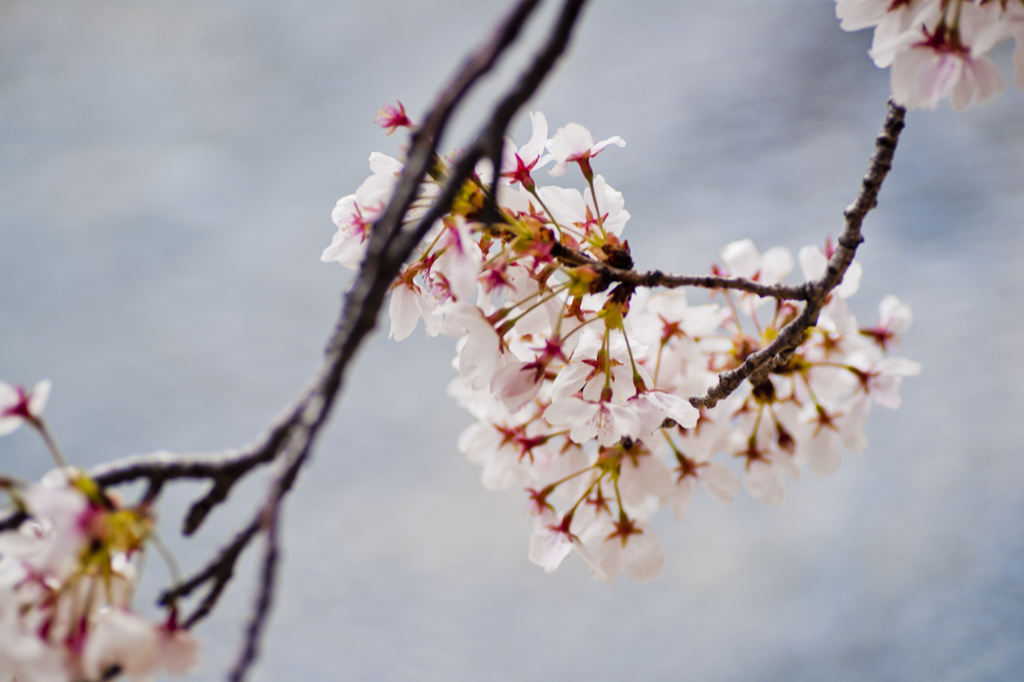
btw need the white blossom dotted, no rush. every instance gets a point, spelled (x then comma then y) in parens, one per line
(576, 143)
(17, 406)
(631, 546)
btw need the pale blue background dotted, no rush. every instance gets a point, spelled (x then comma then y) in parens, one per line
(167, 171)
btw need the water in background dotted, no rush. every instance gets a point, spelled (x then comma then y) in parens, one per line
(167, 171)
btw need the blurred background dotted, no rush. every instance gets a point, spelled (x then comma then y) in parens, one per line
(167, 172)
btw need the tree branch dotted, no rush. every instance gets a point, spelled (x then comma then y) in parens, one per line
(759, 364)
(220, 571)
(257, 622)
(656, 278)
(223, 468)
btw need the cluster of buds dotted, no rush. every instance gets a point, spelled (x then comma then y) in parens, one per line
(67, 576)
(937, 48)
(581, 382)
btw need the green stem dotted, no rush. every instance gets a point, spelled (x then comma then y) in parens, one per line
(51, 444)
(632, 362)
(593, 195)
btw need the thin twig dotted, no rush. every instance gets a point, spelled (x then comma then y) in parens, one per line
(257, 622)
(656, 278)
(759, 364)
(170, 465)
(219, 571)
(223, 468)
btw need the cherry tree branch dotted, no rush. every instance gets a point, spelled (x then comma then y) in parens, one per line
(656, 278)
(269, 519)
(218, 571)
(759, 364)
(167, 466)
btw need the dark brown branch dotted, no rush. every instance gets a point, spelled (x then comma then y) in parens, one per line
(219, 571)
(170, 466)
(759, 364)
(656, 278)
(268, 576)
(224, 469)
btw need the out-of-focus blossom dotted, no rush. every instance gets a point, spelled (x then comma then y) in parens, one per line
(18, 406)
(391, 118)
(938, 48)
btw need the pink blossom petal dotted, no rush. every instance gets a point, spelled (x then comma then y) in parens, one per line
(548, 547)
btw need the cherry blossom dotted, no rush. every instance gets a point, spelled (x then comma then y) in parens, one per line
(137, 647)
(642, 475)
(717, 479)
(632, 547)
(933, 70)
(607, 422)
(857, 14)
(742, 259)
(518, 383)
(765, 480)
(937, 48)
(581, 215)
(459, 260)
(552, 541)
(408, 304)
(593, 366)
(825, 430)
(392, 118)
(657, 406)
(517, 164)
(576, 143)
(882, 379)
(483, 352)
(894, 320)
(66, 585)
(355, 213)
(18, 407)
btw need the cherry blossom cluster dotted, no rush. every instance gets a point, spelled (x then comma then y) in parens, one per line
(581, 381)
(937, 48)
(67, 575)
